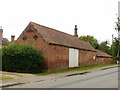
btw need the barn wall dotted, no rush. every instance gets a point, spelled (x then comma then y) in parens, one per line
(39, 43)
(87, 58)
(58, 57)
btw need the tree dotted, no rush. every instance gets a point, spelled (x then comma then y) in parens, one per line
(117, 24)
(104, 46)
(91, 39)
(118, 40)
(115, 47)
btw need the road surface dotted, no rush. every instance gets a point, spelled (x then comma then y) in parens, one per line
(99, 79)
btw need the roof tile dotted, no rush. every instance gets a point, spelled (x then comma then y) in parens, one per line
(57, 37)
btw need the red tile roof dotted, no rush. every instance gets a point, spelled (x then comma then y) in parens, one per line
(53, 36)
(102, 54)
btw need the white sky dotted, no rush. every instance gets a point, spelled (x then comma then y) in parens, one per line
(93, 17)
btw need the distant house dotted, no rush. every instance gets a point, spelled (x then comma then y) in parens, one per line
(3, 41)
(104, 58)
(60, 49)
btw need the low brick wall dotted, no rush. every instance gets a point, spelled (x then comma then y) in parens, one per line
(103, 60)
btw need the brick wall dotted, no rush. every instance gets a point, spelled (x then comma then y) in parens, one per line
(39, 43)
(57, 57)
(86, 58)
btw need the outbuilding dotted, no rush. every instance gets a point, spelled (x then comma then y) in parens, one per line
(103, 58)
(61, 50)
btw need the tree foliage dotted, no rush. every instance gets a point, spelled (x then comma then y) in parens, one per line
(117, 25)
(116, 43)
(91, 39)
(104, 46)
(115, 48)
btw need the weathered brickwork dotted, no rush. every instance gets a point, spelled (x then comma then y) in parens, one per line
(87, 58)
(58, 57)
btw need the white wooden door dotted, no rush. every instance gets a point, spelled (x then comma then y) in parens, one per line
(73, 57)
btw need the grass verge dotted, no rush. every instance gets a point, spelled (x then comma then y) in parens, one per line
(74, 69)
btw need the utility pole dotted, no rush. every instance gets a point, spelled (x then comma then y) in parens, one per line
(112, 46)
(118, 25)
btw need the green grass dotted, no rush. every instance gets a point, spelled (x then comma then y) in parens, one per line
(74, 69)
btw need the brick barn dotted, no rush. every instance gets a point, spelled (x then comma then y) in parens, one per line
(61, 50)
(103, 58)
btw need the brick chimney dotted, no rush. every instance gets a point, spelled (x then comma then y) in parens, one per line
(1, 32)
(12, 38)
(88, 38)
(75, 31)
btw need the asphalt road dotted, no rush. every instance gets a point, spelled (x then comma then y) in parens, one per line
(99, 79)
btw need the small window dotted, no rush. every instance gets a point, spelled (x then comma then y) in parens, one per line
(30, 30)
(24, 38)
(35, 37)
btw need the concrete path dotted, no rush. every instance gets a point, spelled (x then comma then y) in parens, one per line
(25, 80)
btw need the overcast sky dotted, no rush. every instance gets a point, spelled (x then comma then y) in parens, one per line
(93, 17)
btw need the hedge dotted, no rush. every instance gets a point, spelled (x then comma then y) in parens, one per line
(22, 58)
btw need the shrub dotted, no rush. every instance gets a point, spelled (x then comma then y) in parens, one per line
(22, 58)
